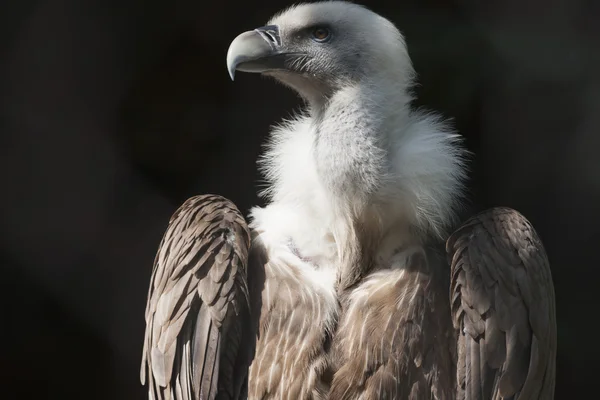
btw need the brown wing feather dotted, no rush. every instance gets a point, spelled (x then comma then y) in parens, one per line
(196, 344)
(295, 321)
(502, 300)
(393, 340)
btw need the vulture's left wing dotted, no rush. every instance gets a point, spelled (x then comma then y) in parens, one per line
(197, 338)
(502, 300)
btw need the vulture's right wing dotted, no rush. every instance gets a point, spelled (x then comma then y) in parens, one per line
(197, 316)
(502, 300)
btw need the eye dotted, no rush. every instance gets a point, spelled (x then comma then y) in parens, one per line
(321, 34)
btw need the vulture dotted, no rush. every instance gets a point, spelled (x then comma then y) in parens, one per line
(340, 286)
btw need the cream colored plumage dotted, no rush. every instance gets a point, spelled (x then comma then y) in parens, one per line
(343, 291)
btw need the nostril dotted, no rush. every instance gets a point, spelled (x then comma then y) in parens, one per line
(271, 36)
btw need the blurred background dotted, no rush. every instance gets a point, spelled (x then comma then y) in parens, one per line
(112, 113)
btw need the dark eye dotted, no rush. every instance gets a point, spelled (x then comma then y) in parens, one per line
(321, 34)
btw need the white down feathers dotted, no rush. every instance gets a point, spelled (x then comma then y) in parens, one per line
(424, 173)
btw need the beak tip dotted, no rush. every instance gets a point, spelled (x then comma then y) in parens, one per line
(231, 65)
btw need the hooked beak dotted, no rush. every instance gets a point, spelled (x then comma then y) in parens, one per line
(259, 50)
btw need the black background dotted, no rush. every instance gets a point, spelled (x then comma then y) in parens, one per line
(113, 112)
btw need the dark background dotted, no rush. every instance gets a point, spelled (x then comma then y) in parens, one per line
(113, 112)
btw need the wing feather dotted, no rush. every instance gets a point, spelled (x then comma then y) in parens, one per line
(503, 308)
(197, 342)
(393, 340)
(296, 321)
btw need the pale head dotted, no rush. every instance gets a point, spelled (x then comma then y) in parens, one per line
(318, 48)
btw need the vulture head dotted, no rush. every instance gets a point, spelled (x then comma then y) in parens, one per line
(319, 48)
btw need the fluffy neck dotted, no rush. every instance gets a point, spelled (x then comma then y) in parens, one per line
(352, 141)
(357, 170)
(352, 154)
